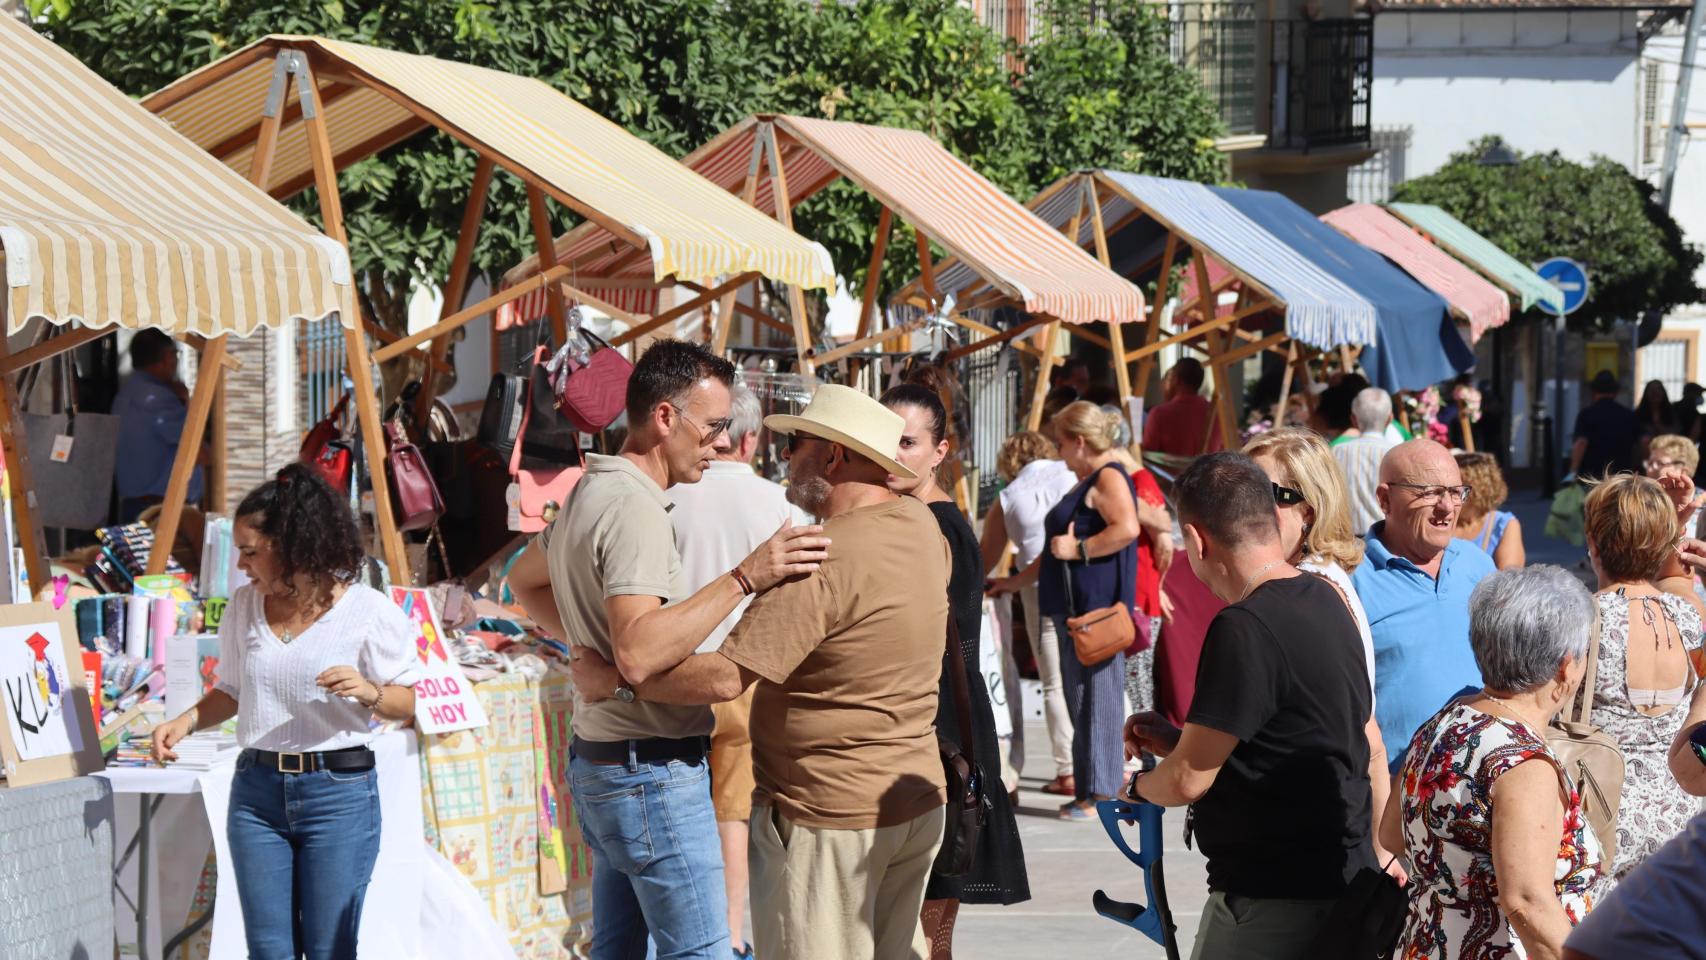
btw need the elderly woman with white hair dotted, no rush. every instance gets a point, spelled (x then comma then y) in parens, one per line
(1504, 863)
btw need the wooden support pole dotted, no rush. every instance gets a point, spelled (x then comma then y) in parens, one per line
(874, 271)
(209, 372)
(401, 345)
(682, 309)
(1039, 390)
(50, 348)
(726, 307)
(1116, 336)
(988, 331)
(847, 349)
(1152, 332)
(785, 215)
(1285, 384)
(456, 288)
(15, 444)
(358, 361)
(1190, 333)
(1017, 330)
(1207, 307)
(547, 246)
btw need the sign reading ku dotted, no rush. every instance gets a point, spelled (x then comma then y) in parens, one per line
(1570, 277)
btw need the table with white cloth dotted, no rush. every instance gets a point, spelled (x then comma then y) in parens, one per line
(178, 817)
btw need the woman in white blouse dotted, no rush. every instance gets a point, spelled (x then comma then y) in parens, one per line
(307, 657)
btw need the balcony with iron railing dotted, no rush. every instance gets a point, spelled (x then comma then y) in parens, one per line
(1321, 76)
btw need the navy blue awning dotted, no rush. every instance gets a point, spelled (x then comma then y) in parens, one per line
(1417, 344)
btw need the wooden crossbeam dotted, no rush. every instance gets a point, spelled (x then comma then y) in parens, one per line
(682, 309)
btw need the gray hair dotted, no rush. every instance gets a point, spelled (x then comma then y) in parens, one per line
(746, 417)
(1524, 623)
(1372, 410)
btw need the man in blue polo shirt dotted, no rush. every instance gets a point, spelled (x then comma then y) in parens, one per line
(1414, 583)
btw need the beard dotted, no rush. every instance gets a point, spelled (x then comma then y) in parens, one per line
(810, 494)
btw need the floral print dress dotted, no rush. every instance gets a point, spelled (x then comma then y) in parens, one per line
(1654, 807)
(1446, 802)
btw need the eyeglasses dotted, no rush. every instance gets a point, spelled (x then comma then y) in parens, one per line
(1286, 496)
(709, 431)
(795, 439)
(1433, 493)
(1664, 464)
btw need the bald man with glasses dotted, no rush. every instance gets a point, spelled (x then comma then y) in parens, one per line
(1414, 583)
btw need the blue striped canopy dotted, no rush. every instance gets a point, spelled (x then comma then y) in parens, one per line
(1418, 344)
(1320, 310)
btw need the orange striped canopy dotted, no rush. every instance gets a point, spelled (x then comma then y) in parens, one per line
(1008, 246)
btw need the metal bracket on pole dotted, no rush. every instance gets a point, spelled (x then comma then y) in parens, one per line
(275, 93)
(293, 61)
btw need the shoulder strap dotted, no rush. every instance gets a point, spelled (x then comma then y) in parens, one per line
(962, 695)
(1583, 712)
(1487, 529)
(526, 412)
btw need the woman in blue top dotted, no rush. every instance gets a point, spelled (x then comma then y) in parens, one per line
(1092, 538)
(1481, 522)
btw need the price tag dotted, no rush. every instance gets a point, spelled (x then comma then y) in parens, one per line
(512, 498)
(585, 440)
(61, 449)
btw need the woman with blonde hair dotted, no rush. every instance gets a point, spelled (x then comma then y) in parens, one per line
(1646, 669)
(1091, 553)
(1481, 522)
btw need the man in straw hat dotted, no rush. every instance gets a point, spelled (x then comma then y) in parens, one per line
(606, 577)
(848, 810)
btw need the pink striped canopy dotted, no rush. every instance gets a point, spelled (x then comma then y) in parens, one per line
(1471, 297)
(1010, 248)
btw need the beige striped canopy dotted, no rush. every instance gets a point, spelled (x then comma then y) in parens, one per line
(108, 217)
(373, 98)
(1007, 246)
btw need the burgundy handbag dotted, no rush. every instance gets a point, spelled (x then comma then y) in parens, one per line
(540, 493)
(415, 500)
(592, 394)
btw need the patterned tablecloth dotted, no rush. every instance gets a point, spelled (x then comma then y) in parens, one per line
(485, 804)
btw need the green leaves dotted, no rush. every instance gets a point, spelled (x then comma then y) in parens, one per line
(1598, 213)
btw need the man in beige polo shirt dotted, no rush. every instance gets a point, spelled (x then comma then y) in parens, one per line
(848, 810)
(606, 577)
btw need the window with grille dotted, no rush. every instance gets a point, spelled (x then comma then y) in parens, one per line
(1666, 360)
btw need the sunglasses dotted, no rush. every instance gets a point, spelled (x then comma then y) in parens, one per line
(1286, 496)
(712, 430)
(795, 439)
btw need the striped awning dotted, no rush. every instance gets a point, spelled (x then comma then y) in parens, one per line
(1472, 298)
(1465, 244)
(108, 217)
(1003, 244)
(651, 209)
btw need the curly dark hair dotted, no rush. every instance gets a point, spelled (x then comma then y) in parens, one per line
(309, 524)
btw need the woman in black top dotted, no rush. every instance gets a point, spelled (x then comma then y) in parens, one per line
(997, 874)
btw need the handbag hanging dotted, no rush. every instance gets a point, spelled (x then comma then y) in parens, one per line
(415, 500)
(327, 431)
(1590, 758)
(75, 455)
(968, 806)
(535, 495)
(1100, 634)
(591, 389)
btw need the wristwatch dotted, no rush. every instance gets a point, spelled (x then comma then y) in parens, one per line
(625, 693)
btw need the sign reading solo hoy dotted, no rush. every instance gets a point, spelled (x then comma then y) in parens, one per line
(444, 699)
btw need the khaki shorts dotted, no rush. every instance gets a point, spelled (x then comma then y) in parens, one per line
(731, 758)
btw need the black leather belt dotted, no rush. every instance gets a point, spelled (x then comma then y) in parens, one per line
(648, 750)
(347, 760)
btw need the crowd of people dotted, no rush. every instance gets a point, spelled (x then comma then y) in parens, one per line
(1336, 657)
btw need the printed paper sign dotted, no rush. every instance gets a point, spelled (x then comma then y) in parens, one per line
(37, 684)
(444, 699)
(61, 452)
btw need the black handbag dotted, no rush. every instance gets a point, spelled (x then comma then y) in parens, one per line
(1367, 919)
(968, 806)
(550, 439)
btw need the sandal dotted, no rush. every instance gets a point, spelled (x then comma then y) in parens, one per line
(1062, 785)
(1075, 811)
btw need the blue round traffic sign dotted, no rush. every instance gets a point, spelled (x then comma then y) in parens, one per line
(1571, 279)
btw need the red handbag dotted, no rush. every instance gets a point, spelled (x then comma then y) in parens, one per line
(593, 393)
(539, 494)
(322, 434)
(415, 501)
(335, 462)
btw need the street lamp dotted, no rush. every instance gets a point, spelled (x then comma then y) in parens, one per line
(1497, 154)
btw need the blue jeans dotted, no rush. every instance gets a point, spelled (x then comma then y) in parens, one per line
(302, 850)
(657, 862)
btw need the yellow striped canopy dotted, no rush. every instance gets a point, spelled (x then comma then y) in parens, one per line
(108, 217)
(374, 98)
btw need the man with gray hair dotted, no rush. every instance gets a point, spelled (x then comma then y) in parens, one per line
(718, 521)
(1360, 453)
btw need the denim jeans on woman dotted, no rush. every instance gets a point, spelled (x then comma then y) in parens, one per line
(657, 862)
(302, 848)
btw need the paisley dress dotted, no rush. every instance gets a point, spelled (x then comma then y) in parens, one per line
(1446, 802)
(1654, 808)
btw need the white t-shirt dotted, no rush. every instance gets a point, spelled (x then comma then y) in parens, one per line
(279, 706)
(1359, 458)
(1332, 571)
(719, 521)
(1026, 501)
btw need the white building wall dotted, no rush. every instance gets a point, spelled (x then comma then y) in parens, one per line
(1542, 80)
(1684, 327)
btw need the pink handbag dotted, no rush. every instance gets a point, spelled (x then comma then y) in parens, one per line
(541, 493)
(592, 394)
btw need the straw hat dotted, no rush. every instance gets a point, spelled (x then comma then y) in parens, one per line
(846, 416)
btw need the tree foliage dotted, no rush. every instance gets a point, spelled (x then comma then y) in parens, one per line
(1598, 213)
(1095, 91)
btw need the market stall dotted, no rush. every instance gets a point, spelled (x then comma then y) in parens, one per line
(1013, 259)
(354, 101)
(1473, 300)
(1504, 270)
